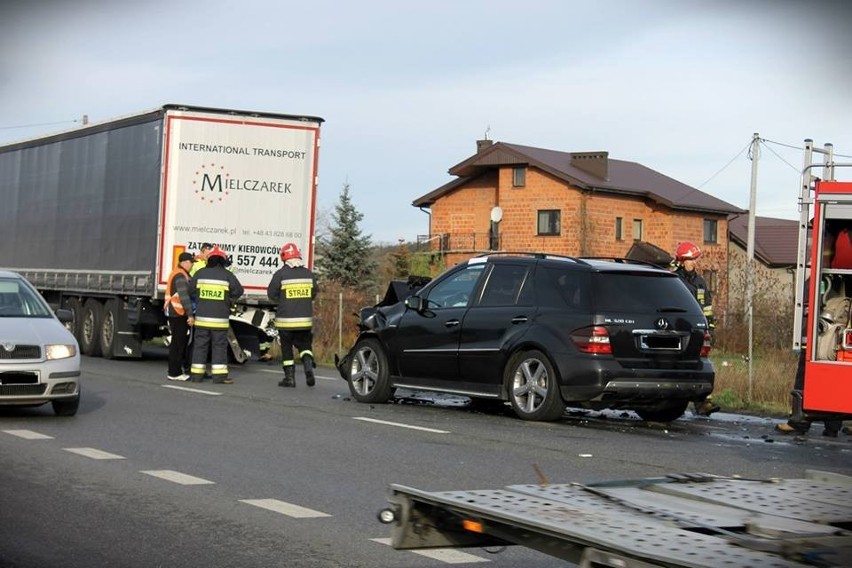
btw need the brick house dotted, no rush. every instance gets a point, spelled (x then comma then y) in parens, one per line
(571, 203)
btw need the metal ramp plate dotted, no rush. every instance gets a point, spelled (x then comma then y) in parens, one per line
(662, 522)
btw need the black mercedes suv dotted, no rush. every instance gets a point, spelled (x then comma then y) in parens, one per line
(542, 332)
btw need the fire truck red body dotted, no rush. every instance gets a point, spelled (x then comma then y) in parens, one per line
(824, 292)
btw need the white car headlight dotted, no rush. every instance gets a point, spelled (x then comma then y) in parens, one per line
(60, 351)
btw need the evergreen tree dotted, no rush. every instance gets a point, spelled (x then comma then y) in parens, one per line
(344, 255)
(400, 261)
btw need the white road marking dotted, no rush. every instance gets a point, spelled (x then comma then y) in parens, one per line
(399, 425)
(288, 509)
(446, 555)
(199, 391)
(177, 477)
(28, 435)
(278, 372)
(94, 454)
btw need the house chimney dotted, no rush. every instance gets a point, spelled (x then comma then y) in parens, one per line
(594, 163)
(483, 144)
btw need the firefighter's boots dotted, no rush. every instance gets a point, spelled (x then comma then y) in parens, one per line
(309, 364)
(289, 379)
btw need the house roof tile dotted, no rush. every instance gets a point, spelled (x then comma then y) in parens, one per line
(622, 177)
(776, 241)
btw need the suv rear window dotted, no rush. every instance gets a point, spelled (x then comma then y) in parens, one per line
(640, 292)
(563, 288)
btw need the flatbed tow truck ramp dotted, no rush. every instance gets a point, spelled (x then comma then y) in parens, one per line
(681, 520)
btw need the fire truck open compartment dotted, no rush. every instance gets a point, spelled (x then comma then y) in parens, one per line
(824, 288)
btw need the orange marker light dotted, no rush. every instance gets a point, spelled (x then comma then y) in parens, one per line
(473, 526)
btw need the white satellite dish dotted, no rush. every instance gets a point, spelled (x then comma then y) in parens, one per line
(496, 214)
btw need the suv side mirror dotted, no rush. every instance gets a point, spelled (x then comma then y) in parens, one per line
(414, 303)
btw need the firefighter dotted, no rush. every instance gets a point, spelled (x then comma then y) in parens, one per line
(201, 259)
(215, 289)
(178, 308)
(684, 265)
(293, 287)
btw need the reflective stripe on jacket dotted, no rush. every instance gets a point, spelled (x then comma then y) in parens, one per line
(696, 284)
(176, 286)
(294, 289)
(215, 289)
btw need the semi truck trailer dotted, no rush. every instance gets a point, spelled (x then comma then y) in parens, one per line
(95, 217)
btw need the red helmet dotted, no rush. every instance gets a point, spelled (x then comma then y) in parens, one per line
(217, 252)
(687, 251)
(290, 250)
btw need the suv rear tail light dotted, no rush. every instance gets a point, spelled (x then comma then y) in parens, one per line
(592, 340)
(705, 348)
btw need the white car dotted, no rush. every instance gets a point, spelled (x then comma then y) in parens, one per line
(39, 357)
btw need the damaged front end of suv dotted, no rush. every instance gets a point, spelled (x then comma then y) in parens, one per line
(371, 319)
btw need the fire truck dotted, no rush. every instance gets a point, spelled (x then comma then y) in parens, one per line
(823, 303)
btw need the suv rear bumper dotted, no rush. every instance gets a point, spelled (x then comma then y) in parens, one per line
(609, 382)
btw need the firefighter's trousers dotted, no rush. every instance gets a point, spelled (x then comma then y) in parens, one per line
(212, 341)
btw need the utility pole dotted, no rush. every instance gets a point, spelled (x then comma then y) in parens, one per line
(752, 203)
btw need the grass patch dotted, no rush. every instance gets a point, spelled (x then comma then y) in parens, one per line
(768, 390)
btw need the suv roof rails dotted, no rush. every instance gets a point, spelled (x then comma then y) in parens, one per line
(621, 260)
(539, 255)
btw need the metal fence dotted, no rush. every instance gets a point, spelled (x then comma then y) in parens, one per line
(458, 242)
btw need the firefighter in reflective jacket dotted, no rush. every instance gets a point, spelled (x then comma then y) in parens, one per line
(294, 287)
(215, 288)
(686, 256)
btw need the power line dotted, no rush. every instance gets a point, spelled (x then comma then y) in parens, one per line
(781, 144)
(796, 147)
(37, 125)
(765, 143)
(777, 155)
(726, 165)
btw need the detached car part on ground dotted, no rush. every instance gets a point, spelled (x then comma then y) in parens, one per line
(542, 332)
(39, 357)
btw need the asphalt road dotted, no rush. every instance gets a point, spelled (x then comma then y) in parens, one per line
(156, 473)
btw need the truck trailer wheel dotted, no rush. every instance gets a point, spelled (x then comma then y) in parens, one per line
(90, 328)
(109, 329)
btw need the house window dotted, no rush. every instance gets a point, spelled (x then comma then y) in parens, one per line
(711, 227)
(637, 229)
(619, 229)
(548, 222)
(519, 176)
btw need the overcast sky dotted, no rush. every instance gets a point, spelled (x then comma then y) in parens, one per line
(406, 88)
